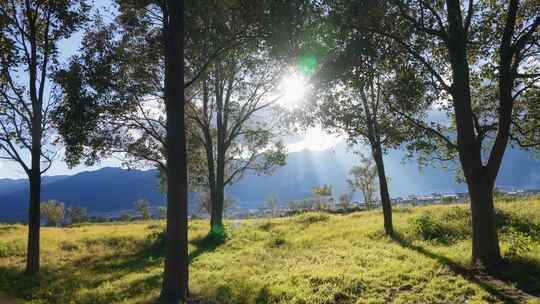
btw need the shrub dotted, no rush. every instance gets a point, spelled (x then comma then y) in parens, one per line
(509, 222)
(217, 236)
(11, 249)
(155, 241)
(4, 251)
(517, 243)
(312, 217)
(445, 227)
(277, 240)
(70, 246)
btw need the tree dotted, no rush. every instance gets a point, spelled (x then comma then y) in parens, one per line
(162, 212)
(322, 196)
(272, 204)
(236, 93)
(175, 276)
(53, 211)
(352, 92)
(478, 60)
(143, 208)
(363, 179)
(113, 93)
(29, 35)
(345, 200)
(77, 214)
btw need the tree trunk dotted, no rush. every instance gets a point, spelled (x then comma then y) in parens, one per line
(480, 179)
(218, 204)
(383, 184)
(175, 277)
(485, 247)
(32, 259)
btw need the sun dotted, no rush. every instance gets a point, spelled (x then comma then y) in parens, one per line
(292, 89)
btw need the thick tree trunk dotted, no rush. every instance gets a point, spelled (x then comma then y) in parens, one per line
(485, 247)
(383, 184)
(175, 277)
(32, 259)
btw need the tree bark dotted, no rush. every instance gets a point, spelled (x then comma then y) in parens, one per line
(175, 277)
(32, 259)
(383, 185)
(219, 199)
(221, 124)
(485, 247)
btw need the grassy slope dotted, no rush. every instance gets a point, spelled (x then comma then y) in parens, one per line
(311, 258)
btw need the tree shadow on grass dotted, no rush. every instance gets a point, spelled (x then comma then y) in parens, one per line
(208, 243)
(498, 283)
(61, 284)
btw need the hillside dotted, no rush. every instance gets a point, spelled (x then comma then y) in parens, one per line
(310, 258)
(113, 190)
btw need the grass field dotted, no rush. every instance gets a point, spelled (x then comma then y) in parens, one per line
(309, 258)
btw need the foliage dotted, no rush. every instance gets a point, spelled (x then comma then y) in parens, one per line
(364, 179)
(162, 211)
(311, 218)
(125, 217)
(345, 200)
(142, 206)
(30, 34)
(322, 197)
(77, 214)
(518, 243)
(53, 211)
(205, 203)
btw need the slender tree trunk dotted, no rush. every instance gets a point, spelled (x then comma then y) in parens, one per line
(221, 122)
(32, 259)
(175, 277)
(218, 203)
(383, 184)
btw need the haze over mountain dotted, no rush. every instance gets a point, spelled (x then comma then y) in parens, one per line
(114, 190)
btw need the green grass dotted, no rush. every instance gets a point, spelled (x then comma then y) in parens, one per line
(309, 258)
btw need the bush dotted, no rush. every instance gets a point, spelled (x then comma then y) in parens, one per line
(155, 241)
(11, 249)
(277, 240)
(445, 227)
(455, 224)
(217, 236)
(312, 217)
(517, 243)
(509, 222)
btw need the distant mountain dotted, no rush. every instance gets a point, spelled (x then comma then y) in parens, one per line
(101, 191)
(113, 190)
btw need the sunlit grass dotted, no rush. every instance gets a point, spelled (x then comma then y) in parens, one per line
(310, 258)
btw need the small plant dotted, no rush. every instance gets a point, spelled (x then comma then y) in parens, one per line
(517, 243)
(217, 236)
(11, 249)
(312, 217)
(277, 240)
(4, 250)
(429, 228)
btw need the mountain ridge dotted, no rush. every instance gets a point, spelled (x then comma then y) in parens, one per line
(112, 189)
